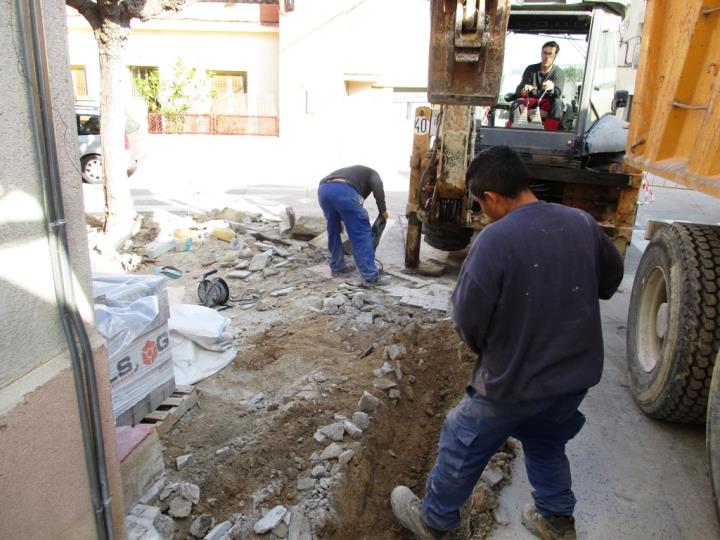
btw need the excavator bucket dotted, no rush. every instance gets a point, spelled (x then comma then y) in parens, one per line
(467, 42)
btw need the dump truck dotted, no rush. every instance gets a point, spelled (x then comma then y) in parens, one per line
(673, 331)
(477, 49)
(594, 162)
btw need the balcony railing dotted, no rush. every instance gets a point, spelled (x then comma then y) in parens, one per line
(213, 124)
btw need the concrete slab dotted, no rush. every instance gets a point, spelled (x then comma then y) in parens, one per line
(141, 461)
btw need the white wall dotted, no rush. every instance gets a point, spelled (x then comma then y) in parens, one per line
(30, 332)
(322, 45)
(204, 45)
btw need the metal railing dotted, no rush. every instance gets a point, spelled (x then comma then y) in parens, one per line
(213, 124)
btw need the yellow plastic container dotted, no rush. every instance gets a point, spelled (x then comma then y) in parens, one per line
(223, 234)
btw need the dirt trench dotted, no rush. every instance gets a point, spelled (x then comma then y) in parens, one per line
(302, 375)
(304, 360)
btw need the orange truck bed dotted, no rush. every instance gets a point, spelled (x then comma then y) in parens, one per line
(675, 120)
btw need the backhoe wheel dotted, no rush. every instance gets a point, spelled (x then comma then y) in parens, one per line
(712, 433)
(447, 237)
(674, 322)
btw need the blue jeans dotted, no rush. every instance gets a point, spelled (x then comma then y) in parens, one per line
(477, 427)
(341, 202)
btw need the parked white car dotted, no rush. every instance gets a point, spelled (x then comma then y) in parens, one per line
(88, 128)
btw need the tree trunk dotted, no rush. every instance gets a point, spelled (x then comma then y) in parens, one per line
(111, 37)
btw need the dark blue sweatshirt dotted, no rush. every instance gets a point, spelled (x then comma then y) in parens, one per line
(526, 302)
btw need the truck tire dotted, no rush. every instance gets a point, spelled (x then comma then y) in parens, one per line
(712, 433)
(447, 237)
(674, 323)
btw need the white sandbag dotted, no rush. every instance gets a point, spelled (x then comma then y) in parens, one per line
(200, 342)
(192, 363)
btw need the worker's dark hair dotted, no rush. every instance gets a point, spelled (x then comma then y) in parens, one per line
(552, 44)
(498, 169)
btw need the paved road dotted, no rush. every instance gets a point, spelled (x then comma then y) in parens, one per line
(635, 478)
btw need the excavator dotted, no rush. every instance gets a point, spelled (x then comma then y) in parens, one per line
(594, 160)
(479, 46)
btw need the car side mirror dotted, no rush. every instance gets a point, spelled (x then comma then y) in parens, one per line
(621, 99)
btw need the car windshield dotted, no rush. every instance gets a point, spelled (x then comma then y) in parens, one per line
(88, 124)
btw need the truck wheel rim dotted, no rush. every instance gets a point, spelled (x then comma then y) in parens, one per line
(653, 320)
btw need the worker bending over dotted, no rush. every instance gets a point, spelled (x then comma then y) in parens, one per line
(341, 195)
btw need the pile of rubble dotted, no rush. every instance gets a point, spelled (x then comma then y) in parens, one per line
(278, 279)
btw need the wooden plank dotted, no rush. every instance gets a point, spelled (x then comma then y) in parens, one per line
(183, 399)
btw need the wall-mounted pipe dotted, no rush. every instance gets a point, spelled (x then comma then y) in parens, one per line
(36, 64)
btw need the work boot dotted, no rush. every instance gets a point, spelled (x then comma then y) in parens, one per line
(379, 281)
(548, 528)
(345, 271)
(406, 507)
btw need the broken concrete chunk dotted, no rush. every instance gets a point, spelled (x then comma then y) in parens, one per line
(386, 368)
(238, 274)
(189, 491)
(364, 318)
(398, 373)
(318, 471)
(368, 403)
(219, 531)
(307, 227)
(270, 520)
(287, 221)
(224, 451)
(492, 475)
(230, 214)
(319, 437)
(260, 261)
(412, 379)
(165, 526)
(282, 292)
(299, 527)
(320, 241)
(336, 300)
(358, 300)
(395, 351)
(270, 271)
(314, 302)
(346, 457)
(334, 431)
(168, 490)
(361, 419)
(201, 525)
(180, 507)
(352, 430)
(305, 483)
(384, 384)
(394, 394)
(182, 461)
(331, 452)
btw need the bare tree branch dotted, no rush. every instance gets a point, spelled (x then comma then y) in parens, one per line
(88, 9)
(147, 9)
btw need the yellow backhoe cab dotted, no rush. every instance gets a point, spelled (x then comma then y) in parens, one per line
(478, 52)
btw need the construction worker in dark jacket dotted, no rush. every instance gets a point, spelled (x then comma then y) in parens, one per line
(341, 195)
(527, 304)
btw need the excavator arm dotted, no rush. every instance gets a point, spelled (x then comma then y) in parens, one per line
(467, 42)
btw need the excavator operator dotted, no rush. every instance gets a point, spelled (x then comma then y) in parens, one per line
(541, 87)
